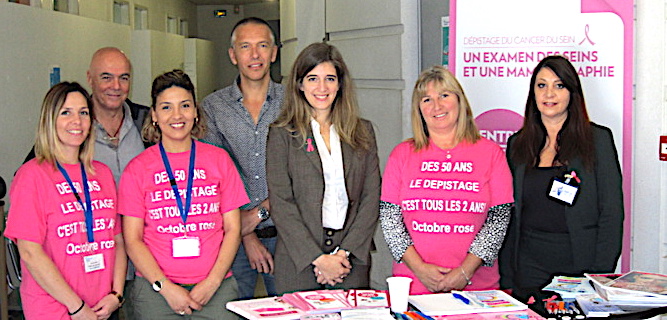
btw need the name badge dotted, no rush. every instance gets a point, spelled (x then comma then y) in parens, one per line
(565, 189)
(563, 192)
(93, 262)
(185, 247)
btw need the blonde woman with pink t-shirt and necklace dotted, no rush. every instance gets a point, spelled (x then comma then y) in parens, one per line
(446, 194)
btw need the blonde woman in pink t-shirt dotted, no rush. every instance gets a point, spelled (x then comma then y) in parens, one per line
(446, 194)
(63, 217)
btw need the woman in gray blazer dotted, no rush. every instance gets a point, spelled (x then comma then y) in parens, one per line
(323, 178)
(557, 153)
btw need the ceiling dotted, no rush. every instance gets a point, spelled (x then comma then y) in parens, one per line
(220, 2)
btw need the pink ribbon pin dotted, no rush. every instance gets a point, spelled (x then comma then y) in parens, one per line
(310, 147)
(572, 175)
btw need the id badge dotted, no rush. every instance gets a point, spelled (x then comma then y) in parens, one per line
(563, 192)
(185, 247)
(93, 262)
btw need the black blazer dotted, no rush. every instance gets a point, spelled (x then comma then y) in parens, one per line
(595, 221)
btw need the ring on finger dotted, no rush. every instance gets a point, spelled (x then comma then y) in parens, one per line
(181, 312)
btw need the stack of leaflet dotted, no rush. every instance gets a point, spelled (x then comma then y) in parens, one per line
(329, 301)
(319, 301)
(324, 303)
(465, 302)
(522, 315)
(570, 287)
(352, 314)
(593, 306)
(272, 308)
(634, 290)
(362, 299)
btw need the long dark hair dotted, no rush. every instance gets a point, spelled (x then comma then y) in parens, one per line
(575, 138)
(345, 118)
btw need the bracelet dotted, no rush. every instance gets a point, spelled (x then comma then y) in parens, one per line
(119, 296)
(469, 282)
(77, 310)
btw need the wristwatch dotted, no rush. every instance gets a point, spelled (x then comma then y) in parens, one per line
(263, 213)
(157, 285)
(121, 300)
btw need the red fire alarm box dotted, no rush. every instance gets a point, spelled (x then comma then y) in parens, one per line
(663, 148)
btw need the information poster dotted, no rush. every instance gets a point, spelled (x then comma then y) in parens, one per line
(495, 45)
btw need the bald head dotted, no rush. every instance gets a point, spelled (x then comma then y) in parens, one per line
(108, 53)
(109, 78)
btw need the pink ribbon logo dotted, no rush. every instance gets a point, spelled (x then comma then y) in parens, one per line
(309, 147)
(586, 37)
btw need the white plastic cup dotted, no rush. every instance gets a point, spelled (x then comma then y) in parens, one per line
(399, 289)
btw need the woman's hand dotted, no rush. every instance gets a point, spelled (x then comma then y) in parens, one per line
(454, 280)
(106, 306)
(178, 298)
(86, 313)
(332, 268)
(204, 290)
(432, 276)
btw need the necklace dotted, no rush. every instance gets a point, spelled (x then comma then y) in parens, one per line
(114, 137)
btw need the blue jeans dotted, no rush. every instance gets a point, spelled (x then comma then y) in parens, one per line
(246, 277)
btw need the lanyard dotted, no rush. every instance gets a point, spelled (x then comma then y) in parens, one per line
(184, 210)
(88, 208)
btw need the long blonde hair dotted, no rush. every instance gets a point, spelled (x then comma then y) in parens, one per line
(47, 143)
(296, 113)
(443, 80)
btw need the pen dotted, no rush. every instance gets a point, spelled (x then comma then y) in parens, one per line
(414, 315)
(461, 297)
(423, 315)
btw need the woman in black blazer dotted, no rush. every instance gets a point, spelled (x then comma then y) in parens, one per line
(557, 153)
(323, 178)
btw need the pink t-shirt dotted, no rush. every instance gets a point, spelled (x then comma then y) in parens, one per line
(444, 197)
(145, 193)
(44, 210)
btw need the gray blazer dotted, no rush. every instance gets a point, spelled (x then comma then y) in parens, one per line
(296, 191)
(595, 221)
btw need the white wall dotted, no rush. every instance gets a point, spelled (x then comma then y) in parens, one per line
(299, 28)
(153, 53)
(33, 40)
(218, 30)
(200, 55)
(649, 179)
(265, 10)
(158, 10)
